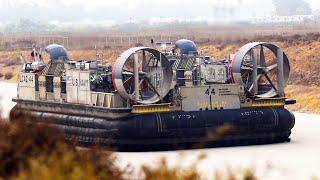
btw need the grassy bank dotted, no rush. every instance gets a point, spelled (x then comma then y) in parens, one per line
(308, 98)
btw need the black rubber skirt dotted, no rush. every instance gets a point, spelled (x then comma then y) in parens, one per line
(176, 130)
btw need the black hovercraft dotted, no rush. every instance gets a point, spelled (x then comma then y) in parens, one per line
(162, 99)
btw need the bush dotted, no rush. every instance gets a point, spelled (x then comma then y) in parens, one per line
(138, 44)
(8, 76)
(12, 62)
(30, 151)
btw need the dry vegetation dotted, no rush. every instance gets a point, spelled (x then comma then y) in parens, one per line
(40, 152)
(308, 98)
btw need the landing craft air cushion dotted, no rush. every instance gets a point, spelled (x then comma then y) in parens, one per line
(162, 99)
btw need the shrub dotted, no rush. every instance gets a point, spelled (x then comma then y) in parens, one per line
(30, 151)
(12, 62)
(138, 44)
(8, 76)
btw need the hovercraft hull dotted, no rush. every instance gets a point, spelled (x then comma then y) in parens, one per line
(177, 129)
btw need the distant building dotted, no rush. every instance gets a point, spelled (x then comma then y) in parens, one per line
(282, 19)
(291, 7)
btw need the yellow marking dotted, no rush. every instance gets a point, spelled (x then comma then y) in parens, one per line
(109, 98)
(152, 108)
(214, 104)
(203, 105)
(268, 103)
(218, 104)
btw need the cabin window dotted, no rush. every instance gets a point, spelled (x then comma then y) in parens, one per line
(28, 67)
(49, 84)
(36, 82)
(72, 65)
(63, 87)
(82, 66)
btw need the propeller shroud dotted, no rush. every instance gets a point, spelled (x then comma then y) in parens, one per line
(263, 76)
(143, 75)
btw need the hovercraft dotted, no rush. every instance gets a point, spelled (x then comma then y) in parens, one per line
(163, 99)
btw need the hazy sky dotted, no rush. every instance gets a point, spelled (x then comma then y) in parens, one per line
(115, 11)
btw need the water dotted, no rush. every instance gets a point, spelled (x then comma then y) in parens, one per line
(298, 159)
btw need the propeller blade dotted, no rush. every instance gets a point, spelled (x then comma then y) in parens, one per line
(127, 73)
(126, 81)
(262, 57)
(247, 68)
(247, 79)
(149, 60)
(280, 73)
(141, 81)
(269, 80)
(272, 67)
(251, 87)
(271, 93)
(140, 92)
(152, 87)
(136, 76)
(254, 72)
(144, 60)
(159, 60)
(142, 73)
